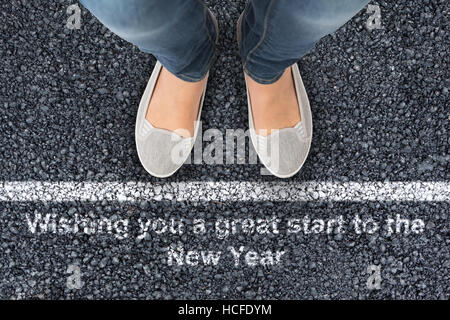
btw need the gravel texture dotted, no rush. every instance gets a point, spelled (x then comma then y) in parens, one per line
(379, 100)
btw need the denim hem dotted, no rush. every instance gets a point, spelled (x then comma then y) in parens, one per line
(263, 80)
(203, 74)
(188, 78)
(213, 43)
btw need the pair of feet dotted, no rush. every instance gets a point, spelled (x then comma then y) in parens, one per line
(168, 115)
(167, 118)
(174, 105)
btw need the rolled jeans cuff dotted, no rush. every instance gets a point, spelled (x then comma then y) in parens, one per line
(263, 80)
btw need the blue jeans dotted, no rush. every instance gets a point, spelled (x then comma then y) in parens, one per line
(181, 34)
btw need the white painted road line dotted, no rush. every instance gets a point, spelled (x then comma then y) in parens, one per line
(22, 191)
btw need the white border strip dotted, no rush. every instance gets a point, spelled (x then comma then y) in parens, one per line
(18, 191)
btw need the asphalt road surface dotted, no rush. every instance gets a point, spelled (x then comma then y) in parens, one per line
(379, 98)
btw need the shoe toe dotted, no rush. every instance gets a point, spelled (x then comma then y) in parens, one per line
(286, 153)
(163, 153)
(293, 153)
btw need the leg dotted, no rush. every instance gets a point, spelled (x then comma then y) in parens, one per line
(180, 33)
(276, 34)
